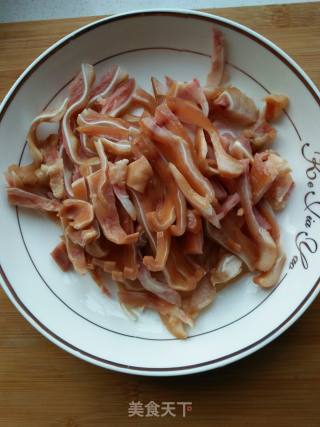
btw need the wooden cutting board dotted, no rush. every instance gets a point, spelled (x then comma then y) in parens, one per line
(41, 385)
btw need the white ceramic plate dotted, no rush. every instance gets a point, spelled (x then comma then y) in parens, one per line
(70, 310)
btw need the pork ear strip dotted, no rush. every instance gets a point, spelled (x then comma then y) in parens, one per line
(171, 194)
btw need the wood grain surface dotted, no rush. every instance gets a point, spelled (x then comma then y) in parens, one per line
(41, 385)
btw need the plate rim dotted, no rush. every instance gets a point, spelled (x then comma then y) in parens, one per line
(189, 369)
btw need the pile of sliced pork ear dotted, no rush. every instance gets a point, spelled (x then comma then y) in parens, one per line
(172, 194)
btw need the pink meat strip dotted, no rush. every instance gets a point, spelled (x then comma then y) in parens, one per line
(106, 212)
(236, 106)
(158, 288)
(215, 76)
(70, 140)
(76, 253)
(78, 212)
(118, 175)
(267, 246)
(119, 100)
(26, 199)
(60, 255)
(107, 83)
